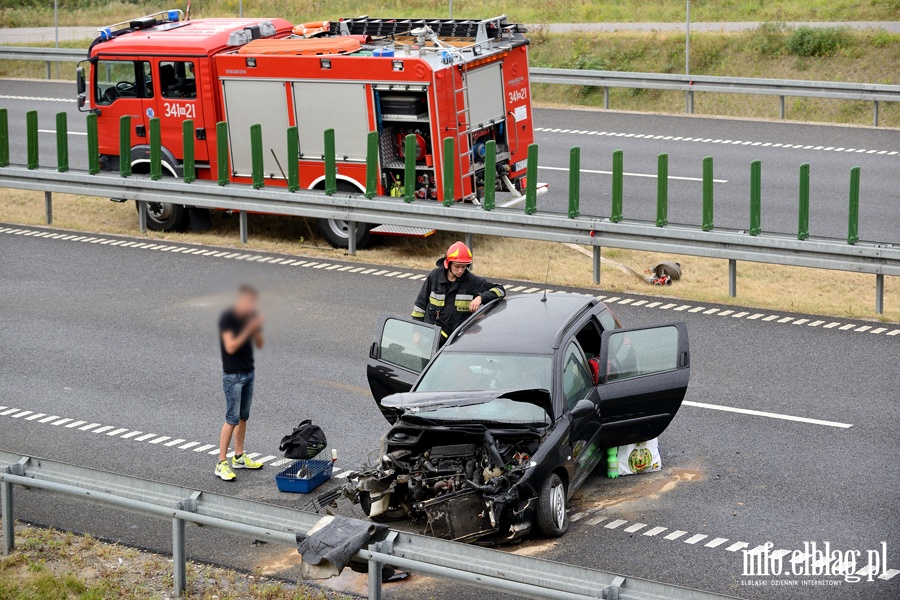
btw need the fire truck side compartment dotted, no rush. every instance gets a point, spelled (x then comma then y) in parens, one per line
(342, 106)
(249, 102)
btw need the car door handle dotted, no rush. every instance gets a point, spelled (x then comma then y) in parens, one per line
(140, 131)
(201, 133)
(684, 359)
(373, 351)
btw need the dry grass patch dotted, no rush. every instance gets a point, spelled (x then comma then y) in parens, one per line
(772, 287)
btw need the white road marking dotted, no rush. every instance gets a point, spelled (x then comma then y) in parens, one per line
(889, 574)
(814, 323)
(771, 415)
(697, 309)
(626, 174)
(737, 546)
(696, 538)
(715, 543)
(35, 98)
(61, 422)
(188, 446)
(846, 327)
(894, 332)
(161, 438)
(725, 313)
(147, 436)
(36, 416)
(635, 527)
(280, 462)
(118, 431)
(89, 426)
(683, 307)
(205, 447)
(832, 324)
(103, 429)
(655, 531)
(863, 328)
(878, 330)
(22, 414)
(343, 475)
(577, 517)
(771, 318)
(131, 434)
(48, 419)
(266, 459)
(756, 316)
(10, 411)
(675, 535)
(173, 442)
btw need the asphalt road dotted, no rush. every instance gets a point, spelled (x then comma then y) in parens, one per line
(125, 338)
(782, 147)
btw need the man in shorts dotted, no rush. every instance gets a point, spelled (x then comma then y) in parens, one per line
(240, 328)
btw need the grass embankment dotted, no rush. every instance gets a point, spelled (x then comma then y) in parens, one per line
(31, 13)
(772, 287)
(771, 51)
(830, 54)
(49, 564)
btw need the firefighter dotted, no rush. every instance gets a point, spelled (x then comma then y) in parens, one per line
(451, 292)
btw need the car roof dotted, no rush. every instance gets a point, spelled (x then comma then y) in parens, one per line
(520, 324)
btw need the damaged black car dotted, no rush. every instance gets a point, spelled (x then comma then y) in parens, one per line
(494, 432)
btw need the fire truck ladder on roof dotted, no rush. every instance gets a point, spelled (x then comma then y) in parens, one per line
(482, 30)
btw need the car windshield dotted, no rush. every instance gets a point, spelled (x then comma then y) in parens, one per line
(463, 372)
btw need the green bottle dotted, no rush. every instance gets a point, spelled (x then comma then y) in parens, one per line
(612, 462)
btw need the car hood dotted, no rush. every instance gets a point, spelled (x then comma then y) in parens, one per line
(415, 401)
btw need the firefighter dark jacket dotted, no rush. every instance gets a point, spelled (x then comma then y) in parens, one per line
(446, 303)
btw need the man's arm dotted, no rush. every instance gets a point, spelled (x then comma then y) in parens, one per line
(488, 292)
(252, 328)
(418, 311)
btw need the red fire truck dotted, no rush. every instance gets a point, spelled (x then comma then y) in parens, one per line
(432, 78)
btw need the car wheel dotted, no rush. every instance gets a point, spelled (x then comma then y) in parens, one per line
(389, 516)
(337, 233)
(552, 520)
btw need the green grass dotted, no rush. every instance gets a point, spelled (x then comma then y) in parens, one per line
(30, 13)
(831, 54)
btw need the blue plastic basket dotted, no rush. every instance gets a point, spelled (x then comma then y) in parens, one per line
(304, 476)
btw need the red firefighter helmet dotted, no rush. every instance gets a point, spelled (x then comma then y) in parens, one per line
(458, 253)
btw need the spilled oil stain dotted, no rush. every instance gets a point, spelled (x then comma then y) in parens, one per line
(338, 385)
(273, 566)
(648, 486)
(532, 547)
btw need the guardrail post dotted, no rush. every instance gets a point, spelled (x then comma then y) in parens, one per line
(755, 197)
(853, 220)
(531, 173)
(222, 151)
(732, 277)
(179, 566)
(4, 137)
(7, 513)
(617, 185)
(155, 150)
(31, 123)
(606, 98)
(449, 173)
(62, 142)
(803, 220)
(409, 168)
(875, 113)
(574, 182)
(879, 293)
(142, 215)
(330, 163)
(689, 101)
(256, 156)
(662, 190)
(351, 239)
(293, 159)
(48, 207)
(372, 165)
(708, 193)
(781, 107)
(93, 143)
(242, 220)
(187, 136)
(596, 259)
(490, 175)
(125, 145)
(375, 568)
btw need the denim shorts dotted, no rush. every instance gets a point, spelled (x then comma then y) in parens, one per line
(238, 396)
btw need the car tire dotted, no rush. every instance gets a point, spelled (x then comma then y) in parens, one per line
(389, 516)
(337, 233)
(552, 520)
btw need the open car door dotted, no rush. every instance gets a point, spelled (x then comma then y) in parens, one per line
(400, 352)
(643, 377)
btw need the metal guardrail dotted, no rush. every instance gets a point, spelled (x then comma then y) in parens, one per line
(730, 244)
(485, 568)
(689, 84)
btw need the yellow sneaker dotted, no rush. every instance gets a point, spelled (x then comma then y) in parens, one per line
(245, 462)
(223, 471)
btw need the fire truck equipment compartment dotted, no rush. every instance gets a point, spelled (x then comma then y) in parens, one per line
(403, 105)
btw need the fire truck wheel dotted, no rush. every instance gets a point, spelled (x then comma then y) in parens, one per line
(337, 233)
(164, 216)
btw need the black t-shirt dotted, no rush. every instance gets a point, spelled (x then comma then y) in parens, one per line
(242, 360)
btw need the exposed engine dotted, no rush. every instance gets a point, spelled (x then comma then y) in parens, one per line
(466, 490)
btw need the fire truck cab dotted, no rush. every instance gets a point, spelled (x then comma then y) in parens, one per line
(430, 78)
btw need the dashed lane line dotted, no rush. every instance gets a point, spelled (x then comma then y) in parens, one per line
(891, 330)
(700, 140)
(771, 415)
(647, 175)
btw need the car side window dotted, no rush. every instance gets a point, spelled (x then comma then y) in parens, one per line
(177, 80)
(576, 378)
(608, 321)
(406, 345)
(121, 79)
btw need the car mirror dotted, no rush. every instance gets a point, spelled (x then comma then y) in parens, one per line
(583, 408)
(80, 82)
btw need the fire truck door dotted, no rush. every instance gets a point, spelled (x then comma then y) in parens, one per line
(175, 101)
(120, 88)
